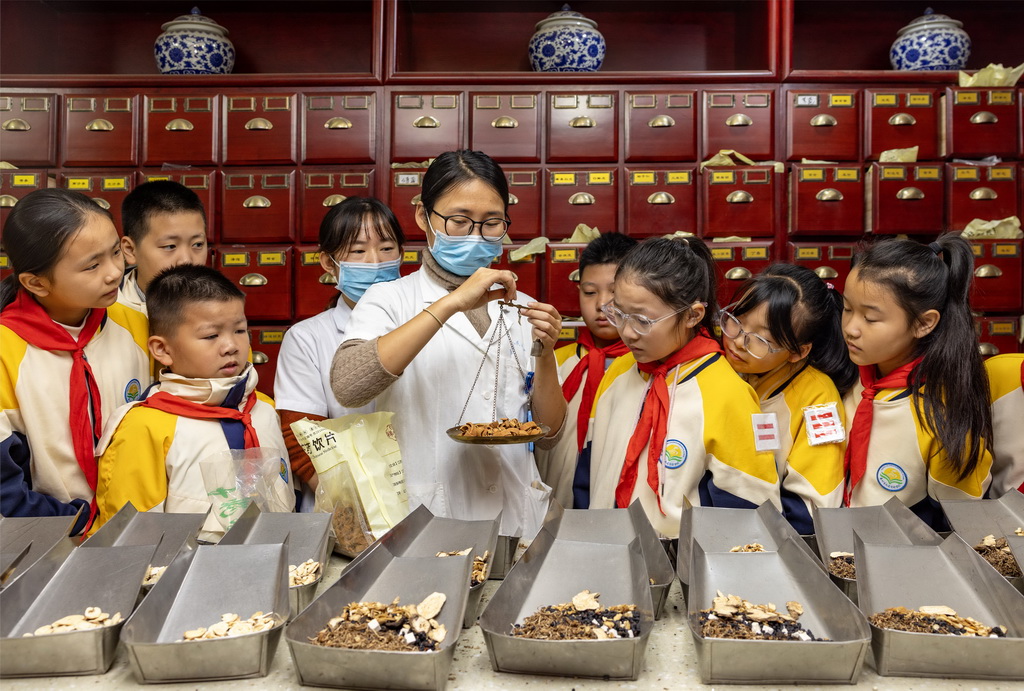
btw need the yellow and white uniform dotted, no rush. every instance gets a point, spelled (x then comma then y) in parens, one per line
(151, 458)
(130, 294)
(1004, 379)
(906, 460)
(811, 475)
(557, 465)
(709, 457)
(35, 404)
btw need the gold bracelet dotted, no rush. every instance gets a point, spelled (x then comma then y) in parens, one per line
(436, 318)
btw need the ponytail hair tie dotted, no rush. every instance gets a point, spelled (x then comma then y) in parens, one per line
(935, 247)
(829, 286)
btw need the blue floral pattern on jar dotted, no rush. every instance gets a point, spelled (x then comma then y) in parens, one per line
(931, 42)
(567, 42)
(194, 44)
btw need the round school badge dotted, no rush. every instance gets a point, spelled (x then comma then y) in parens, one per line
(891, 477)
(132, 391)
(673, 455)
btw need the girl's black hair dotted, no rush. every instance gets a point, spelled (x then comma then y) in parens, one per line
(454, 168)
(607, 248)
(38, 230)
(802, 310)
(949, 387)
(679, 271)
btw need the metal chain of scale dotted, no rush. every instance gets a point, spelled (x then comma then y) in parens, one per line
(501, 329)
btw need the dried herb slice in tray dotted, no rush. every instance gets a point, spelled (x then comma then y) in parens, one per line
(934, 619)
(376, 626)
(582, 619)
(730, 616)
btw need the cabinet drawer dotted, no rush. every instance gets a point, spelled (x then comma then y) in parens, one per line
(575, 196)
(259, 128)
(179, 129)
(982, 122)
(403, 195)
(259, 206)
(506, 126)
(264, 274)
(324, 188)
(5, 265)
(561, 260)
(997, 276)
(28, 129)
(107, 188)
(661, 126)
(314, 287)
(739, 200)
(985, 192)
(15, 185)
(899, 119)
(998, 335)
(525, 205)
(99, 130)
(906, 198)
(265, 342)
(582, 127)
(527, 271)
(739, 120)
(735, 262)
(424, 125)
(202, 182)
(826, 200)
(829, 260)
(339, 128)
(823, 124)
(660, 200)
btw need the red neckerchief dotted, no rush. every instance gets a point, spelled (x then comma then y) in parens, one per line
(591, 364)
(652, 427)
(32, 324)
(855, 462)
(176, 405)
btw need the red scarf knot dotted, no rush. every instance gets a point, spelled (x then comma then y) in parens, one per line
(176, 405)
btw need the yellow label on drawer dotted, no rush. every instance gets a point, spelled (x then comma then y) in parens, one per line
(275, 336)
(678, 177)
(411, 257)
(1000, 97)
(848, 174)
(30, 180)
(567, 334)
(965, 174)
(5, 261)
(79, 183)
(642, 178)
(812, 174)
(599, 178)
(1005, 250)
(1000, 173)
(977, 250)
(885, 99)
(563, 178)
(723, 176)
(808, 253)
(1001, 328)
(234, 259)
(115, 183)
(840, 100)
(919, 100)
(154, 178)
(892, 173)
(565, 255)
(310, 258)
(966, 98)
(721, 253)
(270, 259)
(755, 252)
(927, 173)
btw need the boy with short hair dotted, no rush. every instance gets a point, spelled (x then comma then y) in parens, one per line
(204, 402)
(164, 226)
(580, 368)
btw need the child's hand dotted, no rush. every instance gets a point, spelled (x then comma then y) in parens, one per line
(546, 323)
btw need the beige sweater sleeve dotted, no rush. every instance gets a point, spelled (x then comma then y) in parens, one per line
(357, 374)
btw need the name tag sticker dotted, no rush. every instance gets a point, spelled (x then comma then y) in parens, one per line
(766, 431)
(823, 424)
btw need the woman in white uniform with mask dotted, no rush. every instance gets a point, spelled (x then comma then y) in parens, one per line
(415, 346)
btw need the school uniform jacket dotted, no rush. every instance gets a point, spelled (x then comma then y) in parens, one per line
(40, 473)
(557, 465)
(129, 294)
(709, 457)
(151, 458)
(907, 461)
(811, 475)
(1004, 378)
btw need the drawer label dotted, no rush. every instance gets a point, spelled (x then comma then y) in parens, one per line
(919, 100)
(721, 253)
(5, 261)
(1000, 97)
(567, 334)
(1003, 173)
(565, 255)
(270, 259)
(563, 178)
(604, 178)
(25, 180)
(889, 173)
(411, 256)
(977, 250)
(849, 174)
(840, 100)
(888, 100)
(966, 98)
(79, 183)
(1001, 328)
(271, 337)
(115, 183)
(805, 100)
(644, 178)
(817, 174)
(407, 180)
(1004, 249)
(965, 174)
(723, 177)
(155, 178)
(808, 253)
(234, 259)
(678, 177)
(927, 173)
(755, 252)
(310, 258)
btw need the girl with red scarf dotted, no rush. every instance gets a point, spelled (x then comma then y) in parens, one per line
(68, 354)
(920, 426)
(672, 422)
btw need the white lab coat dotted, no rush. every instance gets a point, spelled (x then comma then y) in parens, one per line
(456, 480)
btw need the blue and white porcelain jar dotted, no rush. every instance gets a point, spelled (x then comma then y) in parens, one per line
(194, 44)
(567, 42)
(931, 42)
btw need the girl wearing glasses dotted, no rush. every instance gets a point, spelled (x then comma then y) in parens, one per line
(784, 336)
(672, 422)
(415, 346)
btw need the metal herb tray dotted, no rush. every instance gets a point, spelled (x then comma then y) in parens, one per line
(38, 533)
(168, 532)
(973, 520)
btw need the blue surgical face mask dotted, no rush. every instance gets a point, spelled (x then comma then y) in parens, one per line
(463, 255)
(355, 277)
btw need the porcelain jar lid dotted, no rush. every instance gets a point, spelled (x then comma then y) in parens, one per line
(566, 16)
(930, 20)
(195, 21)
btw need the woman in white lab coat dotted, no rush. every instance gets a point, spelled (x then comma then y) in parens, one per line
(416, 346)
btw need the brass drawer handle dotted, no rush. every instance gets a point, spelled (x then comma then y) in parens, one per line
(826, 272)
(505, 122)
(16, 125)
(334, 200)
(984, 117)
(738, 273)
(426, 121)
(256, 201)
(662, 121)
(987, 349)
(100, 125)
(582, 121)
(179, 125)
(829, 195)
(512, 199)
(902, 119)
(988, 271)
(259, 358)
(910, 194)
(740, 197)
(259, 124)
(983, 194)
(102, 203)
(661, 198)
(328, 280)
(250, 280)
(415, 200)
(823, 120)
(338, 123)
(739, 120)
(582, 199)
(7, 201)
